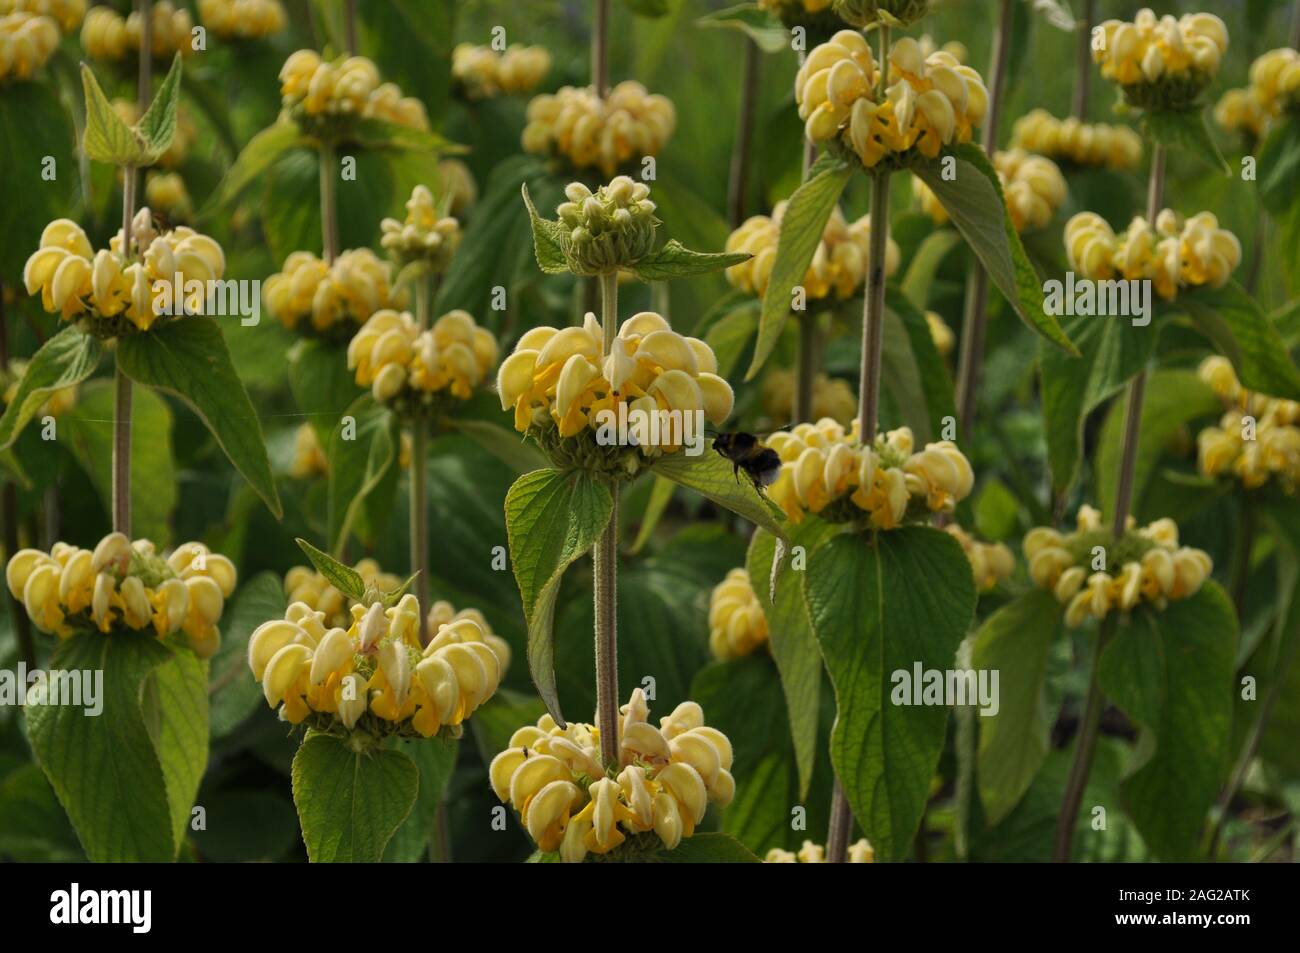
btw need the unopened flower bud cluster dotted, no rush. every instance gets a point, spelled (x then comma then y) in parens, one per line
(832, 397)
(827, 471)
(373, 676)
(737, 624)
(1273, 452)
(1161, 62)
(838, 267)
(406, 365)
(316, 92)
(484, 73)
(929, 101)
(1174, 255)
(589, 132)
(1033, 186)
(242, 19)
(1096, 145)
(310, 296)
(609, 229)
(124, 585)
(114, 288)
(27, 41)
(664, 781)
(1145, 566)
(107, 35)
(424, 235)
(810, 853)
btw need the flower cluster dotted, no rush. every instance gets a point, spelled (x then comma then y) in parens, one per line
(607, 134)
(826, 470)
(1176, 254)
(991, 563)
(1274, 89)
(26, 41)
(1240, 111)
(123, 584)
(558, 381)
(1162, 62)
(737, 625)
(106, 35)
(832, 396)
(242, 19)
(308, 294)
(1080, 143)
(838, 267)
(609, 229)
(667, 776)
(123, 290)
(308, 455)
(67, 14)
(424, 235)
(166, 192)
(58, 403)
(1267, 445)
(930, 101)
(1033, 186)
(374, 674)
(1150, 566)
(304, 584)
(810, 853)
(483, 73)
(320, 95)
(402, 363)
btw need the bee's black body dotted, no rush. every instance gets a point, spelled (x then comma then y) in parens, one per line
(760, 463)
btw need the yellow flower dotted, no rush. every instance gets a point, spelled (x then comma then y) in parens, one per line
(1084, 144)
(1164, 62)
(667, 777)
(991, 563)
(424, 235)
(1275, 80)
(105, 35)
(67, 14)
(737, 625)
(305, 585)
(166, 192)
(1034, 188)
(27, 41)
(314, 92)
(606, 134)
(308, 294)
(1241, 111)
(484, 73)
(1253, 451)
(57, 404)
(811, 853)
(242, 19)
(832, 397)
(393, 356)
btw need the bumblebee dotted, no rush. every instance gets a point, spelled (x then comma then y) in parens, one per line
(747, 452)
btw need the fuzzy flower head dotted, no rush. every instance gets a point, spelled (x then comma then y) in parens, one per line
(827, 471)
(325, 98)
(929, 101)
(304, 584)
(483, 73)
(242, 19)
(107, 35)
(1258, 437)
(26, 42)
(317, 299)
(373, 678)
(1092, 574)
(1161, 62)
(66, 14)
(414, 369)
(1173, 255)
(1275, 80)
(655, 796)
(609, 229)
(811, 853)
(1089, 145)
(991, 563)
(839, 265)
(832, 397)
(120, 290)
(424, 235)
(558, 382)
(124, 585)
(587, 132)
(737, 625)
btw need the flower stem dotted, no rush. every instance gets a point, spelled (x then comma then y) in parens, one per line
(1086, 744)
(975, 312)
(738, 184)
(329, 212)
(600, 49)
(419, 493)
(1083, 59)
(350, 26)
(605, 574)
(807, 367)
(22, 623)
(122, 452)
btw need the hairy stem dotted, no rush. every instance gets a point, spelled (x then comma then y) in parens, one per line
(975, 312)
(1083, 59)
(600, 49)
(329, 211)
(121, 452)
(806, 370)
(873, 309)
(1085, 746)
(605, 574)
(419, 515)
(350, 26)
(22, 624)
(738, 184)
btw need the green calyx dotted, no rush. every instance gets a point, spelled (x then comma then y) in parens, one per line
(864, 13)
(610, 464)
(607, 230)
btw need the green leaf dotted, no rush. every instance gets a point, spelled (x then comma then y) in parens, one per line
(1111, 354)
(913, 372)
(88, 431)
(1234, 321)
(435, 758)
(806, 215)
(711, 475)
(67, 358)
(358, 466)
(350, 803)
(254, 160)
(708, 849)
(107, 138)
(794, 646)
(343, 578)
(675, 260)
(1015, 642)
(233, 693)
(381, 134)
(661, 494)
(1173, 398)
(189, 358)
(925, 263)
(974, 201)
(546, 239)
(158, 124)
(176, 703)
(879, 606)
(506, 445)
(1279, 166)
(322, 385)
(759, 25)
(552, 519)
(27, 150)
(32, 825)
(105, 769)
(1186, 130)
(1172, 672)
